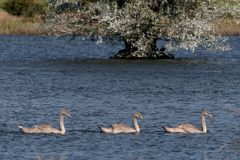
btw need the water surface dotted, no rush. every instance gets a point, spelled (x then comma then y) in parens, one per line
(39, 75)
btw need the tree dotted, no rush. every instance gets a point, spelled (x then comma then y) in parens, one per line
(28, 8)
(140, 23)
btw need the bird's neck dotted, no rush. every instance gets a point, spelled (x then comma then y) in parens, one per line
(204, 126)
(135, 123)
(61, 122)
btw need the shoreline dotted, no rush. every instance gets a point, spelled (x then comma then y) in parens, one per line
(13, 25)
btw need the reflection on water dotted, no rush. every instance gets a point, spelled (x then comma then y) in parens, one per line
(39, 75)
(234, 146)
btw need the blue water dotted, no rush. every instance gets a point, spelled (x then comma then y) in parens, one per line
(40, 75)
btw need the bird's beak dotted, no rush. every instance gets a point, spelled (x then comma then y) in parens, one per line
(141, 117)
(68, 115)
(209, 115)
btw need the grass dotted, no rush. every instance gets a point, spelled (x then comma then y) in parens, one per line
(1, 4)
(228, 27)
(14, 25)
(17, 25)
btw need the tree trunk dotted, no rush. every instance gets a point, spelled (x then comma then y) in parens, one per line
(146, 50)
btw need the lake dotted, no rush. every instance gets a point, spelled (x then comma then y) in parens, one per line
(40, 75)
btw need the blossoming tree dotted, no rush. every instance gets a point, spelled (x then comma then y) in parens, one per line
(140, 23)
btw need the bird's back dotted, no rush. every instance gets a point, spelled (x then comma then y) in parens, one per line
(189, 128)
(44, 128)
(122, 128)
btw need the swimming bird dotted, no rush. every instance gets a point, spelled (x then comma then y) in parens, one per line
(122, 128)
(188, 128)
(47, 128)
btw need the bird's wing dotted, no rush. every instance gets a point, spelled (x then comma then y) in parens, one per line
(189, 128)
(43, 126)
(120, 126)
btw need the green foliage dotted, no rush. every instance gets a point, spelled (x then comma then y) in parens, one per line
(1, 4)
(28, 8)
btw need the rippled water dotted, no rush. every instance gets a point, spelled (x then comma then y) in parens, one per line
(39, 75)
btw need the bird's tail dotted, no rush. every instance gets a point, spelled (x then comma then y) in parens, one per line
(20, 127)
(100, 128)
(105, 130)
(164, 128)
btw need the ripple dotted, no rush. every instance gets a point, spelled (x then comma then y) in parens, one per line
(39, 75)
